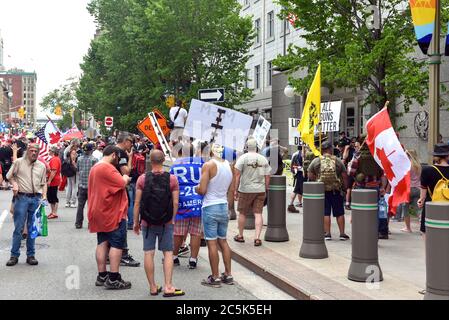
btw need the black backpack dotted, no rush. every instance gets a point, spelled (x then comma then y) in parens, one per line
(156, 207)
(67, 169)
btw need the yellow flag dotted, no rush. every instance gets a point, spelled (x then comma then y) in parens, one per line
(311, 113)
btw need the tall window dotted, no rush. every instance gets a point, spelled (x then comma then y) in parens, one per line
(257, 77)
(246, 79)
(257, 29)
(285, 24)
(270, 26)
(270, 72)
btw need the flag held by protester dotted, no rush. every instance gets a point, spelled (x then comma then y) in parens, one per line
(386, 149)
(47, 135)
(423, 15)
(311, 113)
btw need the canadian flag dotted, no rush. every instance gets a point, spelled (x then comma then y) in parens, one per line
(391, 157)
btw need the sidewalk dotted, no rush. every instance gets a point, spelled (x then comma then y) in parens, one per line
(401, 258)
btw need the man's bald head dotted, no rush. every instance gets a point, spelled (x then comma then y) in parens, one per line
(157, 157)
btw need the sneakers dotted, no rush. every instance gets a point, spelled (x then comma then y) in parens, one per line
(344, 237)
(67, 205)
(12, 261)
(78, 225)
(292, 209)
(72, 205)
(118, 284)
(128, 261)
(183, 251)
(211, 282)
(192, 263)
(176, 262)
(227, 279)
(101, 280)
(383, 236)
(32, 261)
(327, 236)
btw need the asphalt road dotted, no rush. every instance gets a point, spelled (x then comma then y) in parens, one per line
(67, 268)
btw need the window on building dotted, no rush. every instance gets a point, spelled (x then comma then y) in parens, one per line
(270, 25)
(285, 24)
(246, 78)
(270, 72)
(257, 30)
(257, 77)
(245, 3)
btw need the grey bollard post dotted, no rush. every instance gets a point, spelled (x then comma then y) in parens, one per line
(437, 251)
(277, 216)
(365, 260)
(313, 245)
(250, 222)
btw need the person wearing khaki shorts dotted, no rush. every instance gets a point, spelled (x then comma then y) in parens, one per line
(252, 181)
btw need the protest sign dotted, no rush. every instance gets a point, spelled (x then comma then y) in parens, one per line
(261, 131)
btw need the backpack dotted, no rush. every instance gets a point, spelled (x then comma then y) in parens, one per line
(138, 165)
(309, 156)
(367, 165)
(441, 190)
(328, 173)
(156, 207)
(67, 169)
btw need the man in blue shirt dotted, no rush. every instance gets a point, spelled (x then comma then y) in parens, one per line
(187, 169)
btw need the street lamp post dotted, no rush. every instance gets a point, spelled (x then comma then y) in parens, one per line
(434, 84)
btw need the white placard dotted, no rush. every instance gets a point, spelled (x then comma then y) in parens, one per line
(261, 131)
(209, 122)
(330, 116)
(294, 137)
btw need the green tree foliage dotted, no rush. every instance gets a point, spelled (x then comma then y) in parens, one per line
(381, 61)
(65, 97)
(148, 49)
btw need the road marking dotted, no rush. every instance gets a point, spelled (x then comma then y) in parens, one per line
(3, 217)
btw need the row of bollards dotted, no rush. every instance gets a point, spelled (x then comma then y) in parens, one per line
(365, 261)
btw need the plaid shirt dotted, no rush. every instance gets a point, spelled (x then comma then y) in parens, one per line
(369, 181)
(84, 164)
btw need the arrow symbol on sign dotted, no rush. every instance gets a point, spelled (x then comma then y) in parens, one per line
(211, 95)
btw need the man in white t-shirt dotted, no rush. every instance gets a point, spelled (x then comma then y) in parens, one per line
(179, 117)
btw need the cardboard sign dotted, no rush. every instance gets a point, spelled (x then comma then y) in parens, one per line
(261, 131)
(294, 137)
(212, 123)
(330, 116)
(147, 129)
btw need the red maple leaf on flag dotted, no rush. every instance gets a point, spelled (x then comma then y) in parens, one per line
(55, 137)
(386, 164)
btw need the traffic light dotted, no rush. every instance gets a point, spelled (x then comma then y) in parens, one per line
(58, 110)
(21, 112)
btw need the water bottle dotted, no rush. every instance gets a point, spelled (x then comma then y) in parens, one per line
(383, 208)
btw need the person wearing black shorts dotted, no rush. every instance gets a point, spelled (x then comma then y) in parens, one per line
(430, 176)
(297, 171)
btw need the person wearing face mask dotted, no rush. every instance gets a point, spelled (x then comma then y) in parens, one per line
(29, 180)
(108, 211)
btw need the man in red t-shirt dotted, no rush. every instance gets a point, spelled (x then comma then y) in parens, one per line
(107, 214)
(54, 180)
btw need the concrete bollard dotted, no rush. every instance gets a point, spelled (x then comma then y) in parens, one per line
(277, 216)
(365, 261)
(437, 251)
(250, 222)
(313, 245)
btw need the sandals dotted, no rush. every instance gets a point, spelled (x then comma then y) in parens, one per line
(238, 238)
(159, 290)
(176, 293)
(257, 242)
(52, 216)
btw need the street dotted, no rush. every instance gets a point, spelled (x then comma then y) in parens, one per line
(67, 255)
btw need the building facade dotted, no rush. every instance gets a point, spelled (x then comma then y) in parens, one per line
(269, 100)
(1, 52)
(23, 86)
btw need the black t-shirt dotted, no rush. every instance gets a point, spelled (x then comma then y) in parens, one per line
(123, 160)
(6, 155)
(430, 178)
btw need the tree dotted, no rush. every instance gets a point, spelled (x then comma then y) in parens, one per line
(65, 98)
(380, 59)
(148, 50)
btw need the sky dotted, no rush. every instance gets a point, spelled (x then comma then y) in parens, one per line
(49, 37)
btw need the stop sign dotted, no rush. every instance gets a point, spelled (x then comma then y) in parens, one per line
(108, 121)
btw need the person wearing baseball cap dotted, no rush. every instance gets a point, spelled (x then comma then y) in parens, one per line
(251, 185)
(332, 172)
